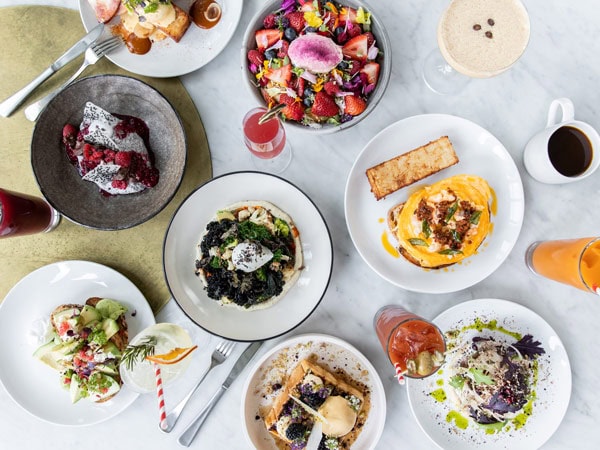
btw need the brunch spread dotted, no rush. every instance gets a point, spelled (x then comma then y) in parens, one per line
(250, 255)
(319, 60)
(142, 22)
(490, 377)
(112, 151)
(443, 223)
(85, 343)
(310, 394)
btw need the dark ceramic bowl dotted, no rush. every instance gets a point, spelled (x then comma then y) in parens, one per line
(81, 201)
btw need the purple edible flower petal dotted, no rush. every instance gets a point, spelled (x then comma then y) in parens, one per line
(288, 6)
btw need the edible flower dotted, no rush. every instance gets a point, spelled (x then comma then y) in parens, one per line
(363, 16)
(313, 19)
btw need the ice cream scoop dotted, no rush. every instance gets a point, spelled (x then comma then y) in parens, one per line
(248, 256)
(339, 414)
(315, 53)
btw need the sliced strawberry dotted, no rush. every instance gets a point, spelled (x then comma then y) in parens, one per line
(354, 105)
(283, 51)
(281, 76)
(371, 70)
(266, 38)
(286, 99)
(324, 105)
(105, 9)
(356, 48)
(296, 20)
(331, 87)
(347, 14)
(300, 85)
(293, 111)
(255, 57)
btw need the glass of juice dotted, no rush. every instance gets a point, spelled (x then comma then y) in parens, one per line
(415, 346)
(575, 262)
(22, 214)
(476, 39)
(266, 141)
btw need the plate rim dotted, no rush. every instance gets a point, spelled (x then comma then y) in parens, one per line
(174, 73)
(489, 303)
(233, 174)
(324, 338)
(79, 263)
(434, 288)
(132, 81)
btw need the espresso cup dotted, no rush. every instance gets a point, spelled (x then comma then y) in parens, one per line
(566, 150)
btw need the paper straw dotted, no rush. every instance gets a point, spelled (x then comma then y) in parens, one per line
(400, 373)
(161, 397)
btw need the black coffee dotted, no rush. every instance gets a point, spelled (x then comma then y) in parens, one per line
(570, 151)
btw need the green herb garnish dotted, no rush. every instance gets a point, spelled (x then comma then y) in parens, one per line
(449, 251)
(475, 217)
(457, 382)
(250, 230)
(417, 241)
(135, 353)
(479, 377)
(451, 211)
(425, 228)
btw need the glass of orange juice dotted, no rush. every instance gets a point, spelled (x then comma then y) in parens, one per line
(414, 345)
(575, 262)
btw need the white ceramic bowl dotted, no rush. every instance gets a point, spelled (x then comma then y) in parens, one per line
(385, 61)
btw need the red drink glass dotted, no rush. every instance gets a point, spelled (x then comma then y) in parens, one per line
(22, 214)
(266, 142)
(414, 345)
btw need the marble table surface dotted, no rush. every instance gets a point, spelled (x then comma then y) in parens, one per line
(562, 60)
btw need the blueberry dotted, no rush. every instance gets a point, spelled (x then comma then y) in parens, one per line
(338, 31)
(308, 91)
(343, 65)
(307, 101)
(311, 30)
(290, 34)
(270, 54)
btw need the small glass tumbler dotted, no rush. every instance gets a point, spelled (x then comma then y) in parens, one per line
(575, 262)
(414, 346)
(22, 214)
(266, 141)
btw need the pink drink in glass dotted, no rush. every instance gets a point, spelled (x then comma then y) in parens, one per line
(265, 140)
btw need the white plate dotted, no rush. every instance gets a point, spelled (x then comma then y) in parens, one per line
(553, 388)
(183, 236)
(168, 58)
(24, 318)
(277, 363)
(480, 154)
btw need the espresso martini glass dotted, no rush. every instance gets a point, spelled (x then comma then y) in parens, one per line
(476, 39)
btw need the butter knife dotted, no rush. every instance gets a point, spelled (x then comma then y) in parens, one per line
(192, 429)
(8, 106)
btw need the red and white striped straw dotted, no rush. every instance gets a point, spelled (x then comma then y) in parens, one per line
(161, 397)
(400, 374)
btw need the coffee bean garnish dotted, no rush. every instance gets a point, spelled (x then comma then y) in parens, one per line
(477, 27)
(488, 34)
(491, 22)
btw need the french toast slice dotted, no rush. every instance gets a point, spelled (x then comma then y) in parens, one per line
(410, 167)
(176, 29)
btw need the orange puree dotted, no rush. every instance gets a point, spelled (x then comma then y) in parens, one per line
(574, 261)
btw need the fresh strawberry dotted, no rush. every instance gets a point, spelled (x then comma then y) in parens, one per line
(283, 51)
(286, 99)
(282, 76)
(270, 21)
(123, 159)
(371, 70)
(354, 105)
(330, 18)
(266, 38)
(331, 87)
(324, 105)
(300, 84)
(296, 20)
(255, 57)
(356, 48)
(293, 111)
(347, 14)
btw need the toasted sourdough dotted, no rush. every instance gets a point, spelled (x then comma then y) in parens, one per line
(120, 339)
(176, 29)
(294, 381)
(405, 169)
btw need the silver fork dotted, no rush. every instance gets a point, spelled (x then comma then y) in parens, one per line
(92, 55)
(219, 354)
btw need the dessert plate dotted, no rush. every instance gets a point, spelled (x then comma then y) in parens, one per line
(278, 362)
(170, 59)
(24, 320)
(553, 388)
(80, 201)
(480, 153)
(183, 237)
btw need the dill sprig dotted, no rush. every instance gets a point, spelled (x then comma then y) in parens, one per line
(135, 353)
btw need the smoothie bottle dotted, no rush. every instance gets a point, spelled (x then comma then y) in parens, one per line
(22, 214)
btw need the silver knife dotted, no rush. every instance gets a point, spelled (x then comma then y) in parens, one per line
(192, 429)
(8, 106)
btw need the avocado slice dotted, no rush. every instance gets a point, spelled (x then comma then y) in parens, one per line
(110, 309)
(111, 349)
(77, 389)
(89, 314)
(110, 327)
